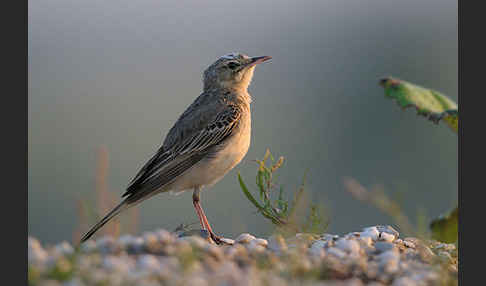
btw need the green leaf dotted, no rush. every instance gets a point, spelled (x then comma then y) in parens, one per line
(427, 102)
(248, 194)
(444, 228)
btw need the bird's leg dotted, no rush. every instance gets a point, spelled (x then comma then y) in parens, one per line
(202, 217)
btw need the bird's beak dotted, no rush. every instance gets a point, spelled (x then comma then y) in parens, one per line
(258, 60)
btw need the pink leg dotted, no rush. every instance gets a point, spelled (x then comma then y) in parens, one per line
(202, 217)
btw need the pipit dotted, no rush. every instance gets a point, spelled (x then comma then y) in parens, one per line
(208, 140)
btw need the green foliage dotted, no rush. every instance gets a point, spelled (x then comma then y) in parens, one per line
(436, 107)
(278, 210)
(444, 228)
(429, 103)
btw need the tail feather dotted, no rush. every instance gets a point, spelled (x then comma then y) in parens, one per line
(119, 208)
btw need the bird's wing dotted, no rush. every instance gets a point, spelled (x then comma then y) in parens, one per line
(177, 156)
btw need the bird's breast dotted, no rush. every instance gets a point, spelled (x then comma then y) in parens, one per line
(231, 152)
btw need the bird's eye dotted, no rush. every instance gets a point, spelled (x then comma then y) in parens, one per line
(233, 65)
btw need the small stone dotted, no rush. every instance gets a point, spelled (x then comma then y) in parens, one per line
(317, 248)
(348, 245)
(445, 256)
(36, 253)
(382, 246)
(148, 262)
(404, 281)
(425, 253)
(76, 281)
(367, 241)
(336, 252)
(445, 246)
(277, 243)
(385, 236)
(244, 238)
(114, 263)
(388, 229)
(88, 246)
(255, 248)
(164, 236)
(389, 261)
(64, 248)
(227, 241)
(329, 237)
(195, 241)
(214, 251)
(237, 250)
(371, 232)
(408, 244)
(260, 241)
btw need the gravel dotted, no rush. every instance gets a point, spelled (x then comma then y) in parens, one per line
(375, 256)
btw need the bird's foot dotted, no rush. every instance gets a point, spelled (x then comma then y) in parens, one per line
(219, 240)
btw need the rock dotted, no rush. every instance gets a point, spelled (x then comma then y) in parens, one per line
(195, 241)
(227, 241)
(36, 254)
(244, 238)
(404, 281)
(261, 241)
(409, 244)
(382, 246)
(214, 251)
(64, 248)
(317, 249)
(367, 241)
(385, 236)
(371, 232)
(425, 253)
(389, 261)
(148, 262)
(336, 252)
(115, 263)
(348, 245)
(277, 243)
(372, 257)
(388, 229)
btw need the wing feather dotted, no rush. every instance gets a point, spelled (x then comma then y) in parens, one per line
(169, 163)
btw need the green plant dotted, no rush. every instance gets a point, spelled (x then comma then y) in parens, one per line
(436, 107)
(279, 211)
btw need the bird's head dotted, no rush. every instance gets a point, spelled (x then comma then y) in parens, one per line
(231, 71)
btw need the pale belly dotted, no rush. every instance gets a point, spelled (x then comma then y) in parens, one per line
(209, 171)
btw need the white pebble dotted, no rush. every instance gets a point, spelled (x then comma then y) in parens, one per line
(389, 260)
(64, 248)
(244, 238)
(336, 252)
(256, 248)
(277, 243)
(366, 240)
(348, 245)
(371, 232)
(317, 248)
(165, 236)
(148, 262)
(36, 253)
(126, 240)
(115, 263)
(387, 237)
(408, 244)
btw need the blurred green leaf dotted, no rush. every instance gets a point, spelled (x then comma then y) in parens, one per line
(427, 102)
(248, 194)
(444, 228)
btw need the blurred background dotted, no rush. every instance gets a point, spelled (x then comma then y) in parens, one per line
(108, 79)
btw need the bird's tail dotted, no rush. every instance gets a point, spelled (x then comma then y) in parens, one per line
(122, 206)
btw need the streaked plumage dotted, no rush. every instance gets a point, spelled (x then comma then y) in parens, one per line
(207, 141)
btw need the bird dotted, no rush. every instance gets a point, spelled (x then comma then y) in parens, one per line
(209, 139)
